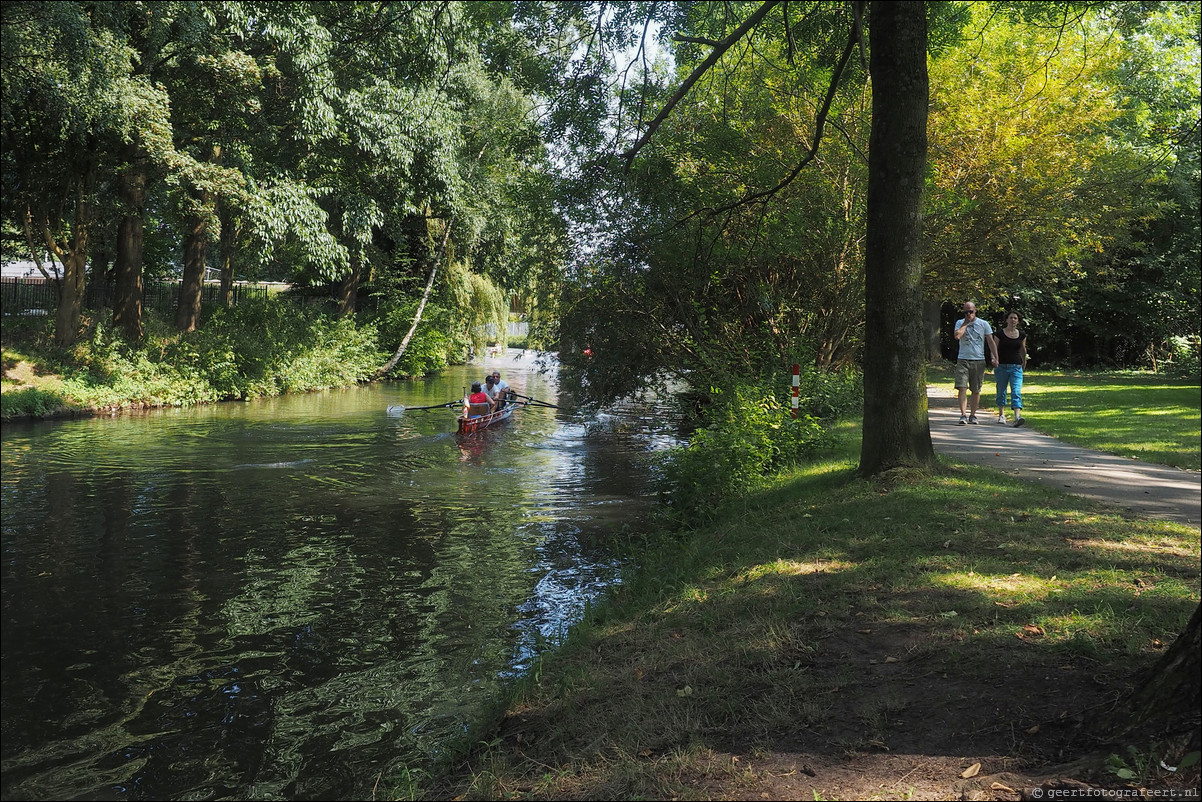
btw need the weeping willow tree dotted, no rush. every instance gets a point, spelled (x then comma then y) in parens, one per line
(482, 304)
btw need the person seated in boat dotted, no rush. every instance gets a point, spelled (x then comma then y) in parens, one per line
(500, 389)
(478, 403)
(490, 389)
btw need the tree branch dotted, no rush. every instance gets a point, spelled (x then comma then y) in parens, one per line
(719, 49)
(694, 40)
(819, 126)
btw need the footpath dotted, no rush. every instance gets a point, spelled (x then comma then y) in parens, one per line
(1138, 488)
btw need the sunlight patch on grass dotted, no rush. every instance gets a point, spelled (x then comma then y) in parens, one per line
(1007, 587)
(796, 568)
(1136, 547)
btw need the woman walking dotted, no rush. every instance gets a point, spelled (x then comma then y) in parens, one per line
(1012, 358)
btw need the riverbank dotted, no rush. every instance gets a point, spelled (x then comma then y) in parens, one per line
(838, 638)
(258, 349)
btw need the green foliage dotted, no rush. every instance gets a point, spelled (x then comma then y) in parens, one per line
(262, 347)
(749, 434)
(431, 348)
(31, 401)
(267, 347)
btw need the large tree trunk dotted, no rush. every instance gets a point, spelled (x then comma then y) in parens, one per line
(71, 291)
(127, 291)
(196, 254)
(1164, 709)
(72, 254)
(348, 288)
(896, 430)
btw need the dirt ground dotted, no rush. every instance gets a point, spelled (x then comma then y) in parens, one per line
(1016, 732)
(1013, 726)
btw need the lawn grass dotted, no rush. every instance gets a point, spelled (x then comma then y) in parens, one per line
(1132, 414)
(836, 615)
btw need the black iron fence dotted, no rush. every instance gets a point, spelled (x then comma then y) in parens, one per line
(37, 296)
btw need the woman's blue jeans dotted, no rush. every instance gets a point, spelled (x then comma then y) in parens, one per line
(1009, 376)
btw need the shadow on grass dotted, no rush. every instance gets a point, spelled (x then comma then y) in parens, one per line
(960, 613)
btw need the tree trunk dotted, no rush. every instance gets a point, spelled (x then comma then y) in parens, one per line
(896, 431)
(127, 290)
(196, 253)
(435, 261)
(348, 288)
(1164, 708)
(226, 255)
(71, 291)
(72, 254)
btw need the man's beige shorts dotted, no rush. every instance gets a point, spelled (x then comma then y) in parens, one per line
(970, 373)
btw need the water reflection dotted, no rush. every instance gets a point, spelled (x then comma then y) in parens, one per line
(281, 600)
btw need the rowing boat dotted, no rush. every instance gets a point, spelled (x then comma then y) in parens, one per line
(469, 425)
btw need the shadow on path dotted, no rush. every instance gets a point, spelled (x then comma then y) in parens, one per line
(1141, 488)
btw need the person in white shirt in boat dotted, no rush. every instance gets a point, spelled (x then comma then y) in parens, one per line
(497, 389)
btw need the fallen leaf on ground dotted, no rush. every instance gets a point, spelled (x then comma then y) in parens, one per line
(891, 660)
(971, 771)
(1030, 631)
(1033, 730)
(1000, 787)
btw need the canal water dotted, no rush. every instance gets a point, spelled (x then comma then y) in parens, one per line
(292, 598)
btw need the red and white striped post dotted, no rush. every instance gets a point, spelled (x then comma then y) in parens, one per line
(796, 389)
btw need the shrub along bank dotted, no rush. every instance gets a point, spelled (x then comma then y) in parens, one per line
(262, 347)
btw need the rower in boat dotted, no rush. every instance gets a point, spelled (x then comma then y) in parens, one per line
(497, 388)
(478, 403)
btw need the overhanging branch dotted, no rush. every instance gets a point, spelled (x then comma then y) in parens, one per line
(719, 49)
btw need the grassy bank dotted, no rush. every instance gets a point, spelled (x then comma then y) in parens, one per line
(957, 618)
(1132, 414)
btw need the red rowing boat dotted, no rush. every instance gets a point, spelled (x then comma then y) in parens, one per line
(469, 425)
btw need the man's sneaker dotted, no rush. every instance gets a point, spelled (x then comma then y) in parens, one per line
(963, 420)
(1001, 419)
(973, 419)
(1020, 422)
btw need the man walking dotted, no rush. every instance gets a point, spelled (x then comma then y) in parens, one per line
(974, 336)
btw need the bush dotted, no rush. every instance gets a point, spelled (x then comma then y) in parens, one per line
(748, 434)
(1183, 357)
(30, 401)
(262, 347)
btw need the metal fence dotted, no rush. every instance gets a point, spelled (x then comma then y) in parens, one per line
(37, 296)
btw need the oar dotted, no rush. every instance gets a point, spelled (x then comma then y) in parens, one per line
(534, 401)
(399, 408)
